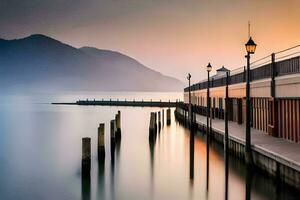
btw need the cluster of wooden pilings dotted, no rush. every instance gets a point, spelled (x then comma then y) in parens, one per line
(157, 121)
(115, 138)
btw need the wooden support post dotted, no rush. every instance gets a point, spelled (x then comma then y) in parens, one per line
(152, 131)
(112, 139)
(163, 117)
(168, 116)
(155, 121)
(159, 120)
(118, 126)
(101, 146)
(86, 156)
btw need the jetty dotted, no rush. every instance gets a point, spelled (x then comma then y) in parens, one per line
(131, 103)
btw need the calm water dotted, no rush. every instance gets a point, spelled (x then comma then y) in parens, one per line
(40, 155)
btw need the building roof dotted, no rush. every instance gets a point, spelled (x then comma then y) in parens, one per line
(222, 69)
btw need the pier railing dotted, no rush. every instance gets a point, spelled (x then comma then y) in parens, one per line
(281, 63)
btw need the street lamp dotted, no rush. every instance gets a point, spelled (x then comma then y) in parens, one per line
(190, 103)
(208, 69)
(250, 48)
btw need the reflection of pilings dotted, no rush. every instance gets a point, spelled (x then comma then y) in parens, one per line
(101, 181)
(226, 172)
(112, 180)
(248, 182)
(151, 148)
(101, 147)
(112, 140)
(85, 187)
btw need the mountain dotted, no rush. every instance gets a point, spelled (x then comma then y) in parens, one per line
(41, 63)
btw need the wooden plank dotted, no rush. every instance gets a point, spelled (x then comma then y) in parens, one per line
(279, 118)
(283, 131)
(297, 119)
(294, 119)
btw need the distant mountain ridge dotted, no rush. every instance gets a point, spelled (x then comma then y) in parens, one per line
(41, 63)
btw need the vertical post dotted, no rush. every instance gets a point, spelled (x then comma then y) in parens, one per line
(207, 132)
(168, 116)
(274, 107)
(248, 117)
(118, 126)
(226, 136)
(163, 117)
(273, 75)
(86, 156)
(152, 127)
(159, 120)
(101, 147)
(155, 121)
(191, 131)
(112, 140)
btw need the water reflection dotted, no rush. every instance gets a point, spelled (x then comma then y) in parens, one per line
(192, 149)
(248, 184)
(86, 187)
(101, 180)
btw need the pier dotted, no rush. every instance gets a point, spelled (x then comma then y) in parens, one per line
(131, 103)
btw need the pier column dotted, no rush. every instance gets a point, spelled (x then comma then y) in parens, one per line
(112, 139)
(152, 131)
(159, 120)
(168, 116)
(101, 147)
(86, 156)
(118, 126)
(163, 117)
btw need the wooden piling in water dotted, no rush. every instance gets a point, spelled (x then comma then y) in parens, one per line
(101, 146)
(112, 139)
(155, 121)
(118, 126)
(168, 116)
(163, 117)
(159, 120)
(152, 131)
(86, 156)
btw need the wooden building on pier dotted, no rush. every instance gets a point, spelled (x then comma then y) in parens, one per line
(275, 96)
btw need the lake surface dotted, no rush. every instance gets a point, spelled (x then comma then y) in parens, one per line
(40, 155)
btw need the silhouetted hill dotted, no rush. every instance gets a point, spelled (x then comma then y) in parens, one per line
(40, 63)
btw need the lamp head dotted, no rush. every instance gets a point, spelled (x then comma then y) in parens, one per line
(209, 67)
(250, 46)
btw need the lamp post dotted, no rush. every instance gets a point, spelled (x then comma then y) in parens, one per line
(250, 48)
(208, 68)
(191, 131)
(190, 103)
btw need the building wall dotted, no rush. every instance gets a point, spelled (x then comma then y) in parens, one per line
(280, 118)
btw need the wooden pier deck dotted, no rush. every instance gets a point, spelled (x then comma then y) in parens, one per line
(132, 103)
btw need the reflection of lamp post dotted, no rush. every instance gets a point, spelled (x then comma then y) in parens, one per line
(250, 48)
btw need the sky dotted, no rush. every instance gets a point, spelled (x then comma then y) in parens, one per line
(174, 37)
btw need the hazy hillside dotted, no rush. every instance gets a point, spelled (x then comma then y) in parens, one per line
(40, 63)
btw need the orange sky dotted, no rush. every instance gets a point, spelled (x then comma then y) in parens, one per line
(171, 36)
